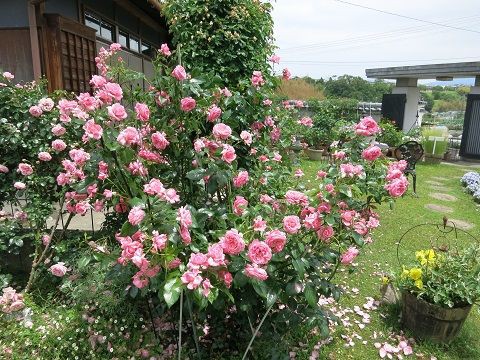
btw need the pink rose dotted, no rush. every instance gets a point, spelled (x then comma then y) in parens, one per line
(274, 59)
(184, 217)
(58, 269)
(87, 101)
(9, 76)
(46, 239)
(35, 111)
(259, 224)
(291, 224)
(154, 187)
(192, 279)
(129, 136)
(25, 169)
(215, 254)
(98, 81)
(221, 131)
(159, 241)
(286, 74)
(241, 179)
(159, 140)
(239, 205)
(116, 112)
(113, 90)
(255, 272)
(198, 261)
(58, 130)
(58, 145)
(226, 277)
(257, 79)
(213, 113)
(339, 155)
(232, 242)
(187, 104)
(259, 252)
(4, 169)
(228, 153)
(367, 127)
(142, 111)
(348, 256)
(306, 121)
(371, 153)
(79, 156)
(276, 240)
(44, 156)
(296, 198)
(325, 233)
(179, 73)
(397, 187)
(19, 185)
(321, 174)
(165, 50)
(246, 137)
(46, 104)
(136, 215)
(92, 130)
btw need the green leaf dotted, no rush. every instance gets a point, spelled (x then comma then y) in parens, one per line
(311, 296)
(196, 174)
(172, 290)
(128, 229)
(299, 267)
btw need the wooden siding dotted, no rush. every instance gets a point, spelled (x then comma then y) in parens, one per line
(16, 53)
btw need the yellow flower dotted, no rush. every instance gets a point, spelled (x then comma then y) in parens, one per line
(415, 274)
(405, 273)
(426, 257)
(385, 280)
(419, 283)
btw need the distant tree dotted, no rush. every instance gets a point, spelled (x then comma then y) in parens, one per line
(354, 87)
(428, 98)
(463, 90)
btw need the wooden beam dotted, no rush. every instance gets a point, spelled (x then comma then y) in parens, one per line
(139, 13)
(32, 22)
(156, 4)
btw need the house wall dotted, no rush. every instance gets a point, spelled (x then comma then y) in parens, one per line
(16, 54)
(13, 13)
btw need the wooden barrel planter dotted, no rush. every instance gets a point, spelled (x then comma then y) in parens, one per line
(433, 322)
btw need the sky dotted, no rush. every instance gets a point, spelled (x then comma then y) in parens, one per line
(324, 38)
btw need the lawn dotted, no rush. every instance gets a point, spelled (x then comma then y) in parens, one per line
(352, 342)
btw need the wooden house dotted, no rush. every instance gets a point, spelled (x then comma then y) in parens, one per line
(59, 39)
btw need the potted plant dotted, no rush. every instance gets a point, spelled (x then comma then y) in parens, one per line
(390, 135)
(438, 291)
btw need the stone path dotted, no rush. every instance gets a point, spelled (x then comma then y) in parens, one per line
(439, 208)
(461, 224)
(443, 197)
(440, 188)
(431, 182)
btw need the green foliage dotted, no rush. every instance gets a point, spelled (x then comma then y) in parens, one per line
(354, 87)
(231, 38)
(390, 135)
(440, 146)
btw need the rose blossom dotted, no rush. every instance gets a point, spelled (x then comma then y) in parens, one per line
(276, 240)
(19, 185)
(35, 111)
(44, 156)
(291, 224)
(259, 224)
(113, 90)
(367, 127)
(46, 104)
(325, 233)
(129, 136)
(58, 145)
(215, 254)
(116, 112)
(296, 198)
(221, 131)
(159, 241)
(159, 140)
(187, 104)
(9, 76)
(246, 137)
(259, 252)
(306, 121)
(136, 215)
(232, 242)
(226, 277)
(228, 153)
(397, 187)
(255, 272)
(213, 113)
(25, 169)
(93, 130)
(286, 74)
(179, 73)
(165, 50)
(239, 205)
(3, 169)
(257, 79)
(274, 59)
(98, 81)
(142, 111)
(58, 130)
(348, 256)
(241, 179)
(371, 153)
(58, 269)
(46, 239)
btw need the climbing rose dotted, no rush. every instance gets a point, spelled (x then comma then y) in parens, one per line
(165, 50)
(306, 121)
(325, 233)
(367, 127)
(255, 272)
(213, 113)
(296, 198)
(259, 252)
(25, 169)
(117, 112)
(276, 240)
(46, 104)
(397, 187)
(241, 179)
(257, 79)
(159, 140)
(239, 205)
(129, 136)
(58, 145)
(92, 130)
(371, 153)
(142, 111)
(286, 74)
(274, 59)
(35, 111)
(136, 215)
(179, 73)
(187, 104)
(44, 156)
(58, 130)
(246, 137)
(113, 90)
(8, 76)
(348, 256)
(19, 185)
(58, 269)
(3, 169)
(232, 242)
(222, 131)
(228, 153)
(291, 224)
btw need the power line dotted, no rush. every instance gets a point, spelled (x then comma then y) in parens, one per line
(407, 17)
(375, 61)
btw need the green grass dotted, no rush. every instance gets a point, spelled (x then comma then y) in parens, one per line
(381, 257)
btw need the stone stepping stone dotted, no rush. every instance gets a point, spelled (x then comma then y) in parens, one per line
(440, 188)
(431, 182)
(461, 224)
(439, 208)
(438, 178)
(443, 197)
